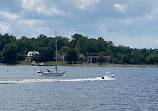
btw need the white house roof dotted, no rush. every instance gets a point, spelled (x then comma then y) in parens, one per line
(31, 53)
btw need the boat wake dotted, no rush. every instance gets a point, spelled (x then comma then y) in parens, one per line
(52, 80)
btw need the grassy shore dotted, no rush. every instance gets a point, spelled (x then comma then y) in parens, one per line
(64, 63)
(116, 65)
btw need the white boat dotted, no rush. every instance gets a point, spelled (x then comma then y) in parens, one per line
(108, 75)
(52, 73)
(55, 72)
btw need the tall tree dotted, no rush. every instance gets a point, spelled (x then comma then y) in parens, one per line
(9, 54)
(46, 54)
(6, 39)
(152, 59)
(74, 40)
(81, 45)
(71, 56)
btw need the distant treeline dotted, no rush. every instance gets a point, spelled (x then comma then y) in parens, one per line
(13, 49)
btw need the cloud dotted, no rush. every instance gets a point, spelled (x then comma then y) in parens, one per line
(147, 18)
(120, 7)
(33, 26)
(41, 7)
(137, 42)
(4, 27)
(28, 4)
(32, 17)
(48, 11)
(127, 21)
(8, 15)
(85, 4)
(152, 15)
(30, 22)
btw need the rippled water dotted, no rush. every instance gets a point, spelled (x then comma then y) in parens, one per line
(81, 89)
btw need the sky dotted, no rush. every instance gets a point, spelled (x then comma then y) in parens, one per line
(132, 23)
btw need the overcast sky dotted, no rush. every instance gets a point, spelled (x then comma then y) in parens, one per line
(132, 23)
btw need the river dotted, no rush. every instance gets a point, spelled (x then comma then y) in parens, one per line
(133, 89)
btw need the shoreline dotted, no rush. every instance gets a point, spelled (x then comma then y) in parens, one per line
(117, 65)
(84, 64)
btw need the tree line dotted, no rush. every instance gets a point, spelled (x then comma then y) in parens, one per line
(13, 49)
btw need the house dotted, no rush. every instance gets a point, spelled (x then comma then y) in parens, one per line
(30, 54)
(61, 57)
(93, 58)
(81, 57)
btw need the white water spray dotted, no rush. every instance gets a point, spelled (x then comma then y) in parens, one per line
(52, 80)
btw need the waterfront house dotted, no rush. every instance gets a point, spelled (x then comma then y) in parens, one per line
(92, 58)
(61, 57)
(30, 54)
(81, 57)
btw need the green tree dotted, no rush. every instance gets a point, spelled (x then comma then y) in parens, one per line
(20, 57)
(20, 46)
(6, 39)
(115, 60)
(35, 58)
(152, 59)
(74, 40)
(46, 54)
(62, 42)
(125, 59)
(65, 49)
(71, 56)
(9, 54)
(101, 59)
(21, 49)
(81, 45)
(92, 46)
(141, 59)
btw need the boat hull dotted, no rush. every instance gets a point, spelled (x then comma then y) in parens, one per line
(53, 73)
(108, 75)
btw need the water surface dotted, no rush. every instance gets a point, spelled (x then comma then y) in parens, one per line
(134, 89)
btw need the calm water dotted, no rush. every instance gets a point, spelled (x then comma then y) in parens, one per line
(134, 89)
